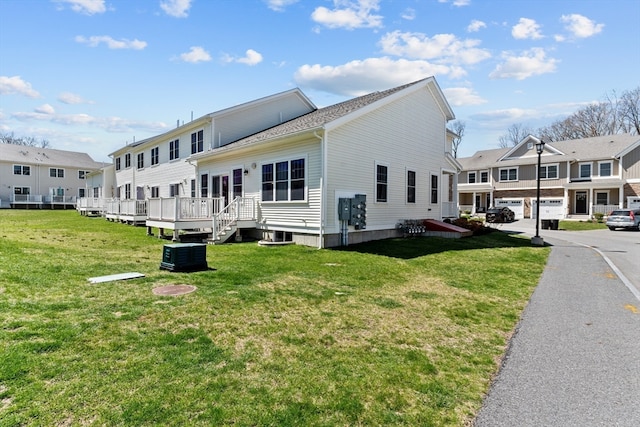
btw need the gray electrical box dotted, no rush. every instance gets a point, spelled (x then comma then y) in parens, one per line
(359, 211)
(344, 209)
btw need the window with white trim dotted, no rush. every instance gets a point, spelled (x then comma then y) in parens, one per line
(24, 191)
(411, 186)
(174, 190)
(237, 183)
(83, 174)
(602, 197)
(284, 181)
(117, 163)
(484, 176)
(140, 159)
(155, 156)
(382, 181)
(472, 178)
(155, 191)
(508, 174)
(197, 142)
(605, 168)
(174, 149)
(96, 192)
(127, 191)
(21, 170)
(434, 189)
(56, 173)
(81, 192)
(585, 170)
(127, 160)
(549, 171)
(204, 185)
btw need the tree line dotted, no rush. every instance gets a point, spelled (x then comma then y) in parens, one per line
(29, 141)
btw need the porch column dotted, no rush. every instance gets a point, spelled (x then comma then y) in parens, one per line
(590, 202)
(621, 197)
(473, 204)
(566, 202)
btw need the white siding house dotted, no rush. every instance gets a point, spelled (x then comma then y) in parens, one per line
(156, 168)
(42, 177)
(390, 146)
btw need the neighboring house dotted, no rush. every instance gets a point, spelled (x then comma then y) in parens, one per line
(100, 187)
(390, 149)
(581, 177)
(42, 177)
(155, 168)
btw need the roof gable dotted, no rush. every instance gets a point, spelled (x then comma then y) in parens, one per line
(46, 156)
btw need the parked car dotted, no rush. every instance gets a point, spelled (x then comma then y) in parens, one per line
(624, 218)
(500, 215)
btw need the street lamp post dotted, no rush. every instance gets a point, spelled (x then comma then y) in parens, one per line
(537, 240)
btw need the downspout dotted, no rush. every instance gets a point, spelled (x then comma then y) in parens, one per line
(323, 189)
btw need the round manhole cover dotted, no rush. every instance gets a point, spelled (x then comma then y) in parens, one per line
(173, 290)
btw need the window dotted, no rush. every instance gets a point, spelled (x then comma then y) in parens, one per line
(585, 170)
(174, 190)
(174, 149)
(197, 142)
(155, 192)
(484, 176)
(96, 192)
(509, 174)
(21, 170)
(283, 181)
(548, 171)
(605, 168)
(127, 191)
(83, 174)
(602, 198)
(155, 155)
(56, 173)
(117, 163)
(237, 183)
(472, 178)
(411, 186)
(204, 185)
(22, 190)
(381, 183)
(140, 159)
(193, 188)
(434, 189)
(127, 160)
(81, 192)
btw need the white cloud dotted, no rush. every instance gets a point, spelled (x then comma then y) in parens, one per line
(526, 29)
(279, 5)
(458, 3)
(176, 8)
(196, 54)
(358, 78)
(356, 14)
(458, 96)
(409, 14)
(15, 85)
(45, 109)
(446, 48)
(87, 7)
(251, 58)
(531, 63)
(111, 43)
(507, 115)
(476, 26)
(72, 98)
(581, 26)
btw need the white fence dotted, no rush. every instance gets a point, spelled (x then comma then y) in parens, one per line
(174, 209)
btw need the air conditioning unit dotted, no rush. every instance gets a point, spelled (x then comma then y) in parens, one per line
(184, 257)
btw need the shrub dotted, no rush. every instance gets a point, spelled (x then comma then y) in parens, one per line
(598, 217)
(475, 225)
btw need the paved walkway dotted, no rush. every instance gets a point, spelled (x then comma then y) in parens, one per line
(575, 357)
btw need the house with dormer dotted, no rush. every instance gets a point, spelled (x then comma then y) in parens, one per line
(583, 176)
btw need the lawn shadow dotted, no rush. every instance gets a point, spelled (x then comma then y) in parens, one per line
(415, 247)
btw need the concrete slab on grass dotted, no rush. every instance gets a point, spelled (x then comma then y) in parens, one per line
(113, 277)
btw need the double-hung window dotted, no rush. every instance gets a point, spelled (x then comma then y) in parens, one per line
(411, 186)
(548, 171)
(83, 174)
(140, 159)
(484, 176)
(174, 149)
(585, 170)
(197, 142)
(117, 163)
(284, 181)
(382, 180)
(434, 189)
(155, 155)
(605, 169)
(127, 160)
(472, 178)
(21, 170)
(56, 173)
(509, 174)
(237, 183)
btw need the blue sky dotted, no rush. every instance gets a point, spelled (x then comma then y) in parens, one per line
(94, 75)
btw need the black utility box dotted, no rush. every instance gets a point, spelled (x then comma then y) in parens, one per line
(184, 257)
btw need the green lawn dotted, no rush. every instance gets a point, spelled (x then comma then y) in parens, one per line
(398, 332)
(581, 225)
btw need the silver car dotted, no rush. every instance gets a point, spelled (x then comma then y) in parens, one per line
(624, 218)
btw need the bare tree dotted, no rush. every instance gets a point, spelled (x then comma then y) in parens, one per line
(457, 127)
(29, 141)
(515, 133)
(630, 110)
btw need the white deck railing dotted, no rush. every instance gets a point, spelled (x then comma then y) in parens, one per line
(88, 203)
(26, 198)
(66, 200)
(173, 209)
(133, 207)
(603, 209)
(240, 209)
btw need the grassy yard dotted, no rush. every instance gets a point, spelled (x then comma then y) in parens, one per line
(399, 332)
(581, 225)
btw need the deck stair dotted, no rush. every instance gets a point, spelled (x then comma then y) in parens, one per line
(227, 222)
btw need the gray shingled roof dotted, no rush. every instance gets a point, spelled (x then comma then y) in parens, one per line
(313, 120)
(600, 147)
(46, 156)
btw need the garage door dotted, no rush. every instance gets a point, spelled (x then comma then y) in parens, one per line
(516, 205)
